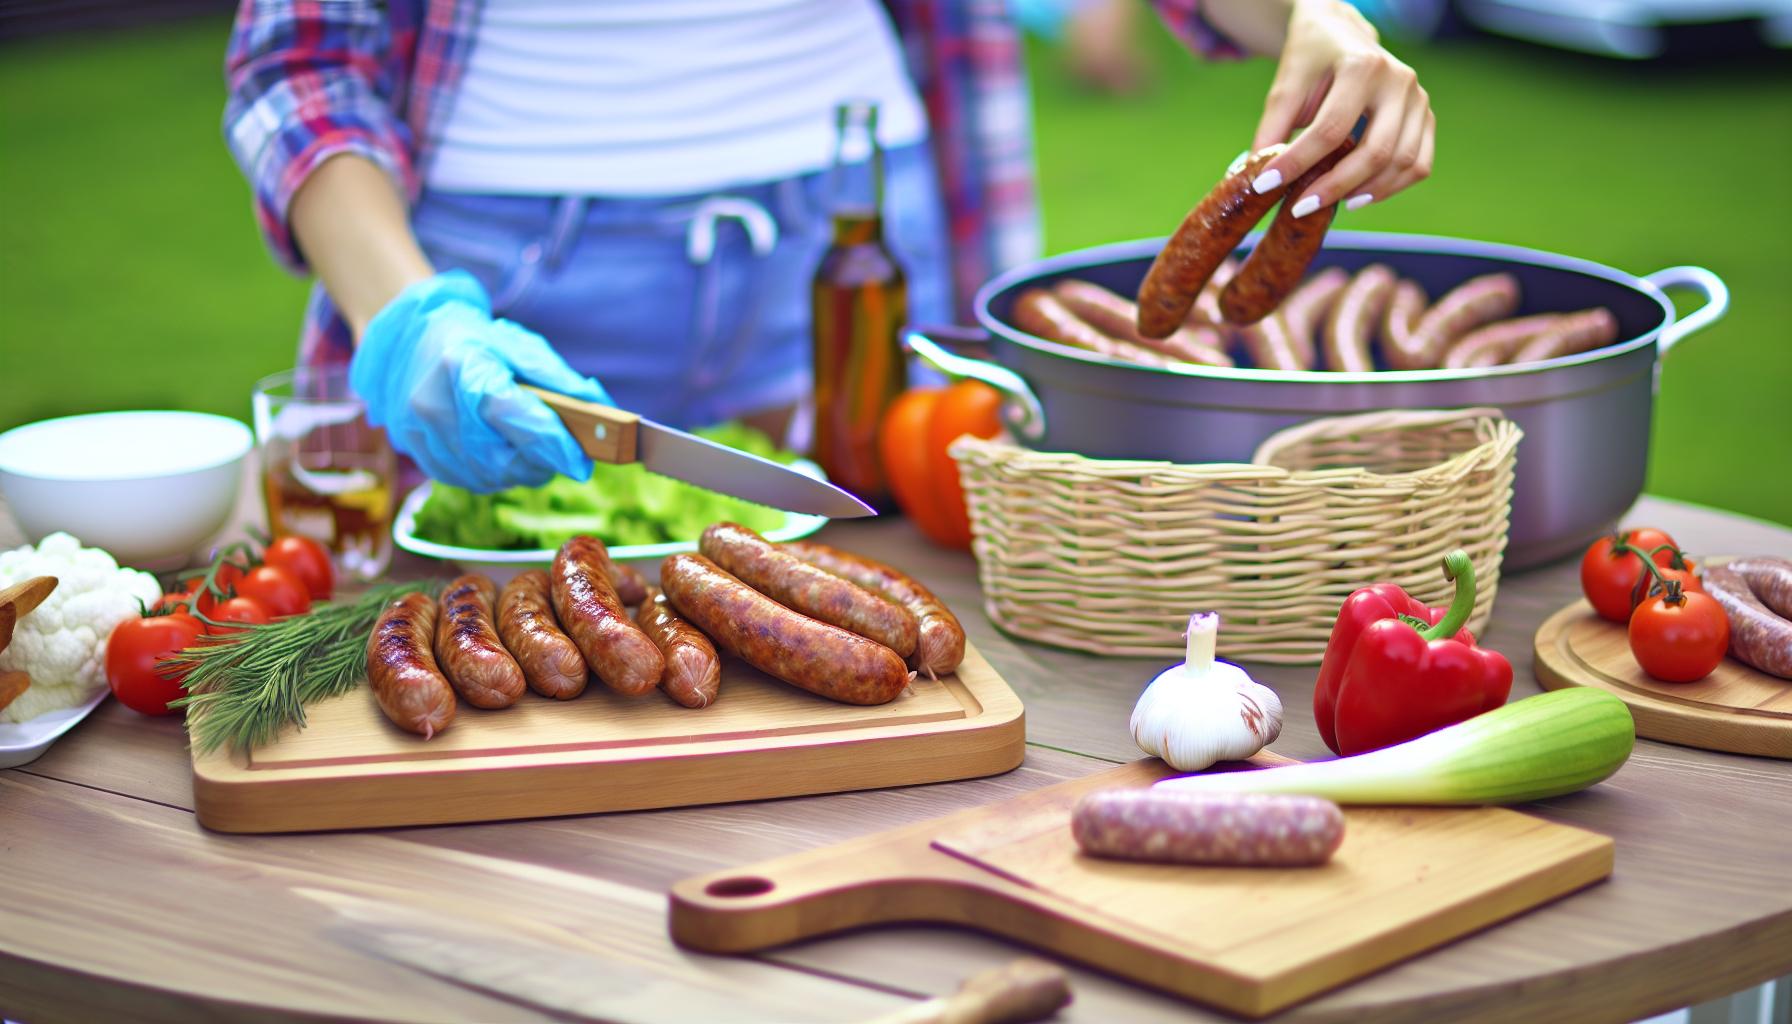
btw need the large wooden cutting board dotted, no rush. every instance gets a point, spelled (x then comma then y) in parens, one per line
(351, 768)
(1248, 940)
(1737, 708)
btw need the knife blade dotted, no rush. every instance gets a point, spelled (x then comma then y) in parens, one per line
(613, 435)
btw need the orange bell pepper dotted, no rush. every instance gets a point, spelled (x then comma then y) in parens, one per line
(912, 442)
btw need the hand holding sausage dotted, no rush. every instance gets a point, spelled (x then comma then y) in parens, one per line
(1333, 71)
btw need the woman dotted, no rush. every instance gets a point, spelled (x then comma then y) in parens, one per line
(562, 192)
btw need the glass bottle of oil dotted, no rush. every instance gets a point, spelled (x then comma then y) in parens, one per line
(859, 301)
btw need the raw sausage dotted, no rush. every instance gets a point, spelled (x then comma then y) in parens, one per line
(1494, 344)
(941, 644)
(1770, 579)
(1758, 637)
(1405, 307)
(693, 670)
(551, 661)
(1284, 340)
(631, 586)
(1463, 308)
(802, 587)
(585, 601)
(1116, 316)
(1278, 262)
(1040, 313)
(1351, 323)
(1207, 828)
(401, 667)
(1206, 310)
(1571, 333)
(787, 645)
(1206, 236)
(468, 649)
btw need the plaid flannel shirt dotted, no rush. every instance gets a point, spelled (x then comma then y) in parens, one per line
(309, 79)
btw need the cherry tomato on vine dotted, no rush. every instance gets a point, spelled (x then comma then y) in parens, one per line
(306, 559)
(131, 656)
(1647, 587)
(276, 590)
(1607, 578)
(236, 609)
(1680, 642)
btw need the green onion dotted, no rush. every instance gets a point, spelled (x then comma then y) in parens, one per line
(1542, 746)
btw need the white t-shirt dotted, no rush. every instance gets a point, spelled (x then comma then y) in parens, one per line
(663, 97)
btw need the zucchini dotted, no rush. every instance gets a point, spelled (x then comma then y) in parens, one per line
(1543, 746)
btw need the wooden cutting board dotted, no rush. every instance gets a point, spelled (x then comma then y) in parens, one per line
(1248, 940)
(351, 768)
(1736, 708)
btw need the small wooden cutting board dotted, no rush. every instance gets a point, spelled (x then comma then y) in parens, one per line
(1737, 708)
(351, 768)
(1248, 940)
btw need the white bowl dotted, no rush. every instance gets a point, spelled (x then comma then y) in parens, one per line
(502, 566)
(149, 487)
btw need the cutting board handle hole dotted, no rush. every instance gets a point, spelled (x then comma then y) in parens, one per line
(737, 888)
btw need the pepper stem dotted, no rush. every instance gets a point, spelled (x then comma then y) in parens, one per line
(1203, 634)
(1456, 567)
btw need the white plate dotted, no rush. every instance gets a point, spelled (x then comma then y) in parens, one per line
(502, 565)
(23, 742)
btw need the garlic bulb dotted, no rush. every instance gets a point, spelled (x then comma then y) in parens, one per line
(1204, 711)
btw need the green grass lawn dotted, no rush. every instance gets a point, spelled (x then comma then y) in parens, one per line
(131, 275)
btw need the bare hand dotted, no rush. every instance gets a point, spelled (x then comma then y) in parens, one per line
(1333, 71)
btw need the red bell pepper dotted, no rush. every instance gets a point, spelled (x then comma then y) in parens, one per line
(1396, 669)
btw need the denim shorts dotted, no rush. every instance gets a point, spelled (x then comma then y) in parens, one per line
(689, 309)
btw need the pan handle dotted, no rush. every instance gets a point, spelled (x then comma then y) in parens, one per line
(1717, 300)
(1024, 413)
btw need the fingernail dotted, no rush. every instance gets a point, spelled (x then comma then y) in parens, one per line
(1306, 205)
(1267, 180)
(1358, 202)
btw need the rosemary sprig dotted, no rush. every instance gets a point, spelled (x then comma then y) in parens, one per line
(244, 688)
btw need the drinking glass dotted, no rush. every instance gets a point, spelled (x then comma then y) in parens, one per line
(326, 473)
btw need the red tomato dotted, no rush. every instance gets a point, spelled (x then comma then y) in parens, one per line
(1647, 586)
(174, 601)
(131, 656)
(236, 609)
(1607, 579)
(1679, 643)
(228, 575)
(306, 559)
(275, 589)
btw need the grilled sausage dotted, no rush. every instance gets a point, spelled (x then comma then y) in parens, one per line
(1278, 262)
(802, 587)
(1351, 324)
(586, 603)
(940, 646)
(693, 670)
(1405, 306)
(1206, 236)
(401, 667)
(1758, 637)
(1769, 579)
(1249, 829)
(631, 586)
(468, 649)
(551, 662)
(1116, 316)
(823, 659)
(1040, 313)
(1463, 308)
(1495, 343)
(1571, 333)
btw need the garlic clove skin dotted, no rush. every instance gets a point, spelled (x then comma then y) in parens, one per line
(1203, 711)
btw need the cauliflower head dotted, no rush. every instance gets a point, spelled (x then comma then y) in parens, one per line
(62, 644)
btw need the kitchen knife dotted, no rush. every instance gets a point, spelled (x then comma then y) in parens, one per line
(609, 434)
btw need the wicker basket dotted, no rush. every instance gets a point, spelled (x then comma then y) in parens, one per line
(1112, 556)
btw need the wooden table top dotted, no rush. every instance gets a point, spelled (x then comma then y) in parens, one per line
(118, 905)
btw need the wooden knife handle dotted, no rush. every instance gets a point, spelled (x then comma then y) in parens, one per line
(18, 601)
(607, 434)
(1025, 990)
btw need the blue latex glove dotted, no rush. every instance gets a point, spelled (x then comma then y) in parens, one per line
(441, 375)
